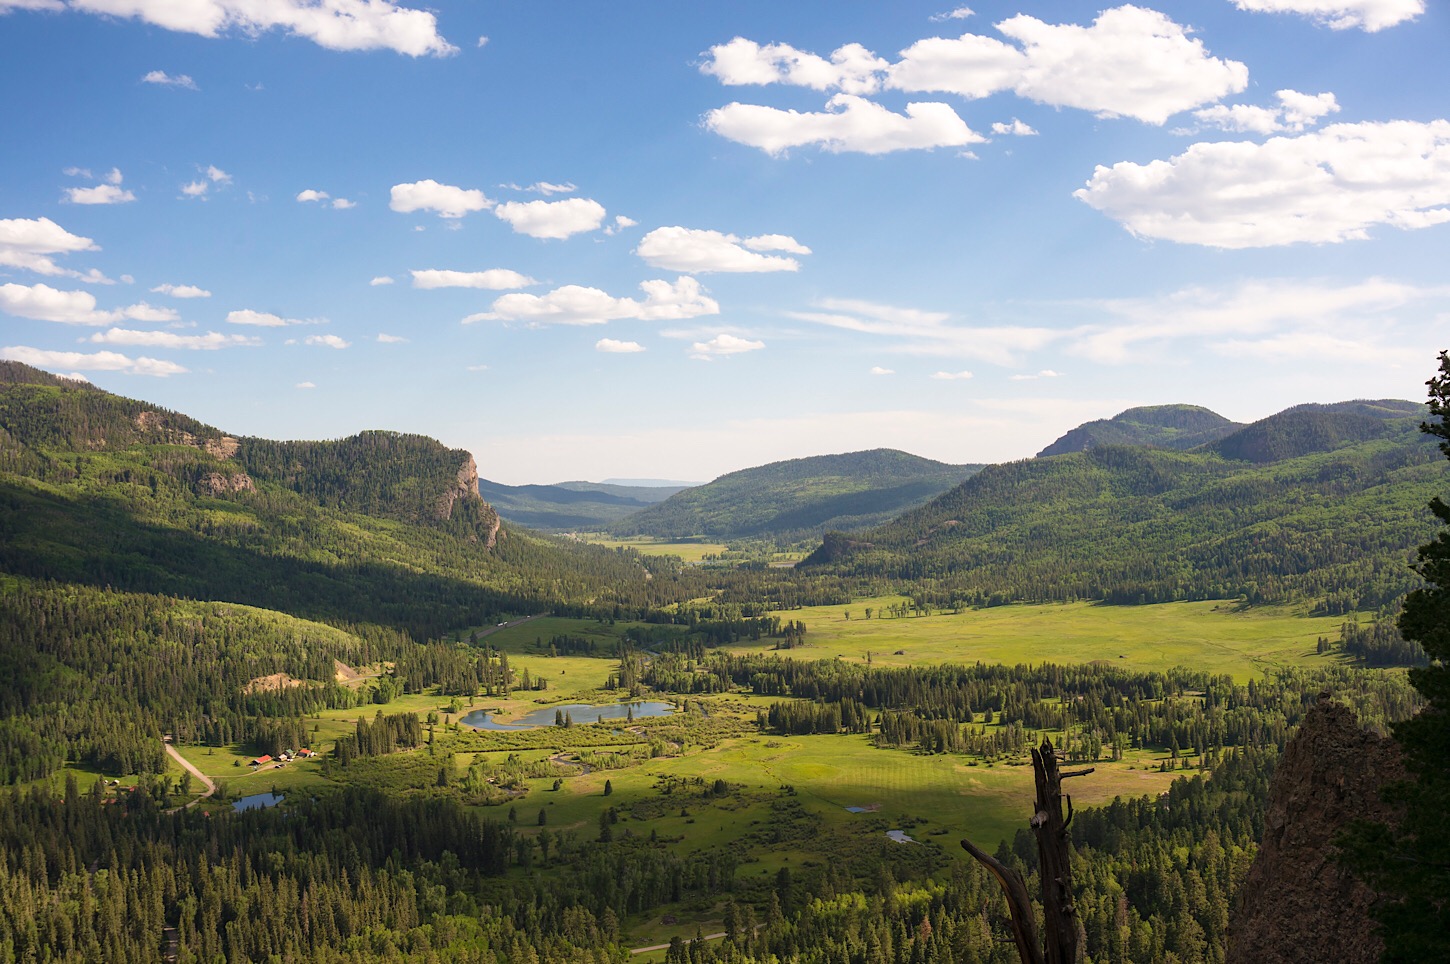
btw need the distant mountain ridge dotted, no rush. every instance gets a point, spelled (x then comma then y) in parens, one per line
(571, 506)
(798, 497)
(1319, 502)
(1165, 426)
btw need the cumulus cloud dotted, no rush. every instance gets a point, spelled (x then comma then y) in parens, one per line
(1131, 62)
(195, 189)
(849, 124)
(305, 385)
(335, 24)
(951, 376)
(101, 361)
(1295, 112)
(342, 204)
(216, 175)
(210, 341)
(44, 303)
(387, 339)
(263, 319)
(697, 251)
(164, 79)
(610, 346)
(1045, 373)
(109, 192)
(50, 5)
(182, 291)
(381, 279)
(1368, 15)
(723, 344)
(28, 243)
(327, 341)
(915, 332)
(620, 223)
(311, 195)
(878, 370)
(445, 199)
(852, 68)
(1015, 129)
(1267, 313)
(1326, 186)
(552, 219)
(496, 279)
(578, 305)
(960, 13)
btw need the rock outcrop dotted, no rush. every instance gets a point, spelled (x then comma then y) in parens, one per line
(465, 487)
(218, 483)
(1298, 904)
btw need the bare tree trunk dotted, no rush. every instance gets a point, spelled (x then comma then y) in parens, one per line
(1053, 867)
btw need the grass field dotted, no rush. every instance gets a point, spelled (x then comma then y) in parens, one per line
(1219, 637)
(687, 551)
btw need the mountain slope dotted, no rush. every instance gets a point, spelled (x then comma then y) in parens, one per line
(380, 528)
(799, 497)
(1140, 524)
(1165, 426)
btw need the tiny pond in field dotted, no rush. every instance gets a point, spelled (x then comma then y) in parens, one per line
(257, 801)
(579, 713)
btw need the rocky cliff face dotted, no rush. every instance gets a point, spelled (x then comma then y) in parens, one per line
(466, 487)
(1297, 904)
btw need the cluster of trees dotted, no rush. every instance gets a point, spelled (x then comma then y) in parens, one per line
(382, 736)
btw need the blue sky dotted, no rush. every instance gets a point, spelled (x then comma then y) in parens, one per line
(670, 240)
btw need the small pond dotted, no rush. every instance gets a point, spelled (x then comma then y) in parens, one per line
(257, 801)
(578, 712)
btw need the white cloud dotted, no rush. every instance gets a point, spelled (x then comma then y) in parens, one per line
(1327, 186)
(182, 291)
(1368, 15)
(878, 370)
(611, 346)
(381, 279)
(482, 42)
(101, 361)
(1295, 112)
(1131, 62)
(552, 219)
(1259, 312)
(478, 368)
(620, 223)
(327, 341)
(165, 339)
(305, 385)
(342, 204)
(195, 188)
(723, 344)
(496, 279)
(262, 319)
(50, 5)
(852, 68)
(428, 195)
(577, 305)
(915, 332)
(849, 123)
(311, 195)
(951, 376)
(1045, 373)
(545, 188)
(960, 13)
(216, 175)
(335, 24)
(697, 251)
(1015, 129)
(28, 243)
(387, 339)
(44, 303)
(109, 193)
(113, 176)
(166, 80)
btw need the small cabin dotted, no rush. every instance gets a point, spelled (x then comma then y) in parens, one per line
(266, 758)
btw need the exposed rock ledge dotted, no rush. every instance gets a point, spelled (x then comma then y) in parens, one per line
(466, 487)
(1297, 904)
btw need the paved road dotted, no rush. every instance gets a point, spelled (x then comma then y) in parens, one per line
(205, 780)
(665, 947)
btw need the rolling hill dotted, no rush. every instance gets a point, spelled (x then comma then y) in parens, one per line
(1324, 503)
(1165, 426)
(799, 498)
(571, 506)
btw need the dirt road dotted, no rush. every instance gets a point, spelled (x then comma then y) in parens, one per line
(205, 780)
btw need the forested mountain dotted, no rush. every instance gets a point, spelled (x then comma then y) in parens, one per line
(379, 528)
(799, 497)
(1334, 520)
(571, 506)
(1164, 426)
